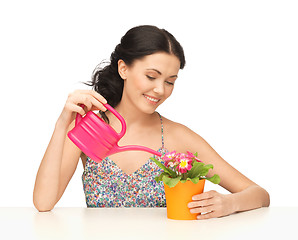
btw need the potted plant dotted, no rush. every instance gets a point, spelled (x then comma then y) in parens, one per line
(183, 176)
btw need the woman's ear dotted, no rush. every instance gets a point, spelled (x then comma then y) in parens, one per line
(122, 69)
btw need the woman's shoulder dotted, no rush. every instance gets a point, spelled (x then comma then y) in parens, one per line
(178, 136)
(175, 127)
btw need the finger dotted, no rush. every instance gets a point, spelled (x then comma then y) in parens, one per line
(206, 216)
(202, 209)
(79, 98)
(98, 96)
(205, 195)
(98, 105)
(86, 96)
(87, 105)
(75, 108)
(89, 100)
(201, 203)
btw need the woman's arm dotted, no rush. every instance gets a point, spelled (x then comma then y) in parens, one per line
(215, 204)
(251, 198)
(61, 157)
(245, 195)
(56, 169)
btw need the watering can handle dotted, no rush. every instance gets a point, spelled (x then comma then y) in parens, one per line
(112, 110)
(121, 119)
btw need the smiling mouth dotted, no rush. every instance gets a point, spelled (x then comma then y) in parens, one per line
(151, 99)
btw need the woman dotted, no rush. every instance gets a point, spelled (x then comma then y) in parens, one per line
(140, 76)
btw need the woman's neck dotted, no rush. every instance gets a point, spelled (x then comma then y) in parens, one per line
(134, 118)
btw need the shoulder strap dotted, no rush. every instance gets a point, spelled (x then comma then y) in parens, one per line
(162, 139)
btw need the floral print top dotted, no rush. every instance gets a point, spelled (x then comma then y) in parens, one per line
(106, 185)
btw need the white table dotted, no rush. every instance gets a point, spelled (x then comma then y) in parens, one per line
(144, 223)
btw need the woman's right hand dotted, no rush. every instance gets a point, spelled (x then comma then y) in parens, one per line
(91, 99)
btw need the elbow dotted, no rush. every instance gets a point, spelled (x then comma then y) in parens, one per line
(42, 206)
(261, 197)
(43, 209)
(266, 198)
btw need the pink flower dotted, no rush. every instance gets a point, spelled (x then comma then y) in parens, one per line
(184, 163)
(190, 155)
(169, 156)
(169, 159)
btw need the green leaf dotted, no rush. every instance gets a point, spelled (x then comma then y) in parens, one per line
(171, 182)
(196, 169)
(163, 167)
(196, 154)
(158, 163)
(160, 176)
(209, 166)
(214, 179)
(195, 180)
(183, 181)
(205, 170)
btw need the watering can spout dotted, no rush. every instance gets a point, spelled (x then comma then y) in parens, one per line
(117, 149)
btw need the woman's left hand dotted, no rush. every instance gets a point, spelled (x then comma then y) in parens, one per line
(212, 203)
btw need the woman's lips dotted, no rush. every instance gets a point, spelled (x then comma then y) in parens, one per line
(151, 99)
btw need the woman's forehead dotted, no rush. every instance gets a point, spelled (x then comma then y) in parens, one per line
(159, 62)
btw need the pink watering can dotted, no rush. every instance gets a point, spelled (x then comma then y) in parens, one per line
(97, 139)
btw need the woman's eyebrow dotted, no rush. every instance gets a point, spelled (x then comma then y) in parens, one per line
(154, 70)
(160, 72)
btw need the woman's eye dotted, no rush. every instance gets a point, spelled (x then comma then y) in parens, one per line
(149, 77)
(170, 83)
(153, 78)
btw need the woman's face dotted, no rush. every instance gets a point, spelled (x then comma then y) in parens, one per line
(148, 82)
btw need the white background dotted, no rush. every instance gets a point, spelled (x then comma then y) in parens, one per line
(238, 89)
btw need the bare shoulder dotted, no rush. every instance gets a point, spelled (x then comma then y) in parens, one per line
(175, 128)
(180, 137)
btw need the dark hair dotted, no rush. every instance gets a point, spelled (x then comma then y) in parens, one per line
(137, 43)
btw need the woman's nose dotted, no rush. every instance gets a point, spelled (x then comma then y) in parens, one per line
(159, 89)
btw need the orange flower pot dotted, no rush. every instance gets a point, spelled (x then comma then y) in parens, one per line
(179, 196)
